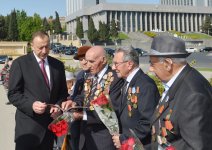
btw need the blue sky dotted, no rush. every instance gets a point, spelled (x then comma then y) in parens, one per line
(46, 8)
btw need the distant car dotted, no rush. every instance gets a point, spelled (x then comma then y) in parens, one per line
(191, 50)
(206, 49)
(140, 51)
(110, 51)
(3, 59)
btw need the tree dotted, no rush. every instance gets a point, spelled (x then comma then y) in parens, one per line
(92, 32)
(114, 30)
(46, 26)
(57, 25)
(3, 30)
(79, 28)
(104, 32)
(207, 25)
(13, 27)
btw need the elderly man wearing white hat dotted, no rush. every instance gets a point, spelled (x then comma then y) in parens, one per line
(70, 81)
(182, 120)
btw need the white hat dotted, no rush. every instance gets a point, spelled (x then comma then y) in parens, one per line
(69, 75)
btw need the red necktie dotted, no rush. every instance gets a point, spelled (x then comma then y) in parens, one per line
(44, 71)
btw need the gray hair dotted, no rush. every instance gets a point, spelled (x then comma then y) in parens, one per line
(181, 61)
(129, 54)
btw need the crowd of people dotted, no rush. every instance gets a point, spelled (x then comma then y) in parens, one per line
(179, 118)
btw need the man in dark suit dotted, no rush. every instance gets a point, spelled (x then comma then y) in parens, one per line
(139, 97)
(94, 134)
(78, 87)
(36, 80)
(183, 116)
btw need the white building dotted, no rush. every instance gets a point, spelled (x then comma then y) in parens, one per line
(137, 17)
(204, 3)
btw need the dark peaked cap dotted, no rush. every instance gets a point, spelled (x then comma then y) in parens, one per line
(168, 46)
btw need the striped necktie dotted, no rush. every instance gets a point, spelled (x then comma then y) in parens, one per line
(94, 85)
(42, 67)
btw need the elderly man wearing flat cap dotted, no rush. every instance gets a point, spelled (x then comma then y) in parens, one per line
(75, 126)
(182, 119)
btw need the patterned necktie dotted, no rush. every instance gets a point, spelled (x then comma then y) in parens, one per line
(123, 91)
(94, 85)
(42, 66)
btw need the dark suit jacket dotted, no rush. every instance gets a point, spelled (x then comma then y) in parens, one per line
(148, 97)
(95, 135)
(190, 99)
(27, 85)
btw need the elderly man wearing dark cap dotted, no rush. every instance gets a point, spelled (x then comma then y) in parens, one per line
(75, 126)
(182, 119)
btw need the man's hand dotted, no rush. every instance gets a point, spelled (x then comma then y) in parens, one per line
(78, 115)
(116, 141)
(55, 111)
(67, 104)
(39, 107)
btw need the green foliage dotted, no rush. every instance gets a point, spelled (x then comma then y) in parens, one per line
(158, 83)
(206, 26)
(150, 34)
(3, 29)
(92, 32)
(114, 30)
(123, 36)
(56, 24)
(13, 27)
(46, 26)
(79, 28)
(71, 69)
(103, 32)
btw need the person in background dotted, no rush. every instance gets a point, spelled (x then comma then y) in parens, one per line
(182, 120)
(36, 80)
(138, 100)
(78, 87)
(70, 82)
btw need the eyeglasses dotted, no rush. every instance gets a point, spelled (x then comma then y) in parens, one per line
(116, 64)
(82, 59)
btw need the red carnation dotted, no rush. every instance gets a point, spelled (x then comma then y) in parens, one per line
(170, 148)
(101, 100)
(60, 128)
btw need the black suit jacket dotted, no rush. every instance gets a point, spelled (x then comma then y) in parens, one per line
(27, 85)
(190, 99)
(95, 135)
(139, 121)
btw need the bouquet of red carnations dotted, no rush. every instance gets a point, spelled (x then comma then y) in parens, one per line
(132, 143)
(60, 125)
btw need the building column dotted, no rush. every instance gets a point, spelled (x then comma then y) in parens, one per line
(192, 22)
(121, 23)
(141, 21)
(145, 21)
(150, 21)
(155, 21)
(174, 22)
(131, 22)
(160, 22)
(165, 22)
(187, 23)
(178, 22)
(136, 21)
(196, 24)
(183, 22)
(169, 21)
(126, 22)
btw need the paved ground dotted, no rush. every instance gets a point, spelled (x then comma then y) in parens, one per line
(7, 117)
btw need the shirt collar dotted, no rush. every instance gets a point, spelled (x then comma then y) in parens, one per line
(170, 82)
(38, 59)
(102, 72)
(131, 75)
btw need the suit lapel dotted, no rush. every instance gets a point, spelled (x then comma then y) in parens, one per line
(170, 94)
(131, 84)
(37, 70)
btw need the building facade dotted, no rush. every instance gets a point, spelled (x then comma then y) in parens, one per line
(204, 3)
(137, 17)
